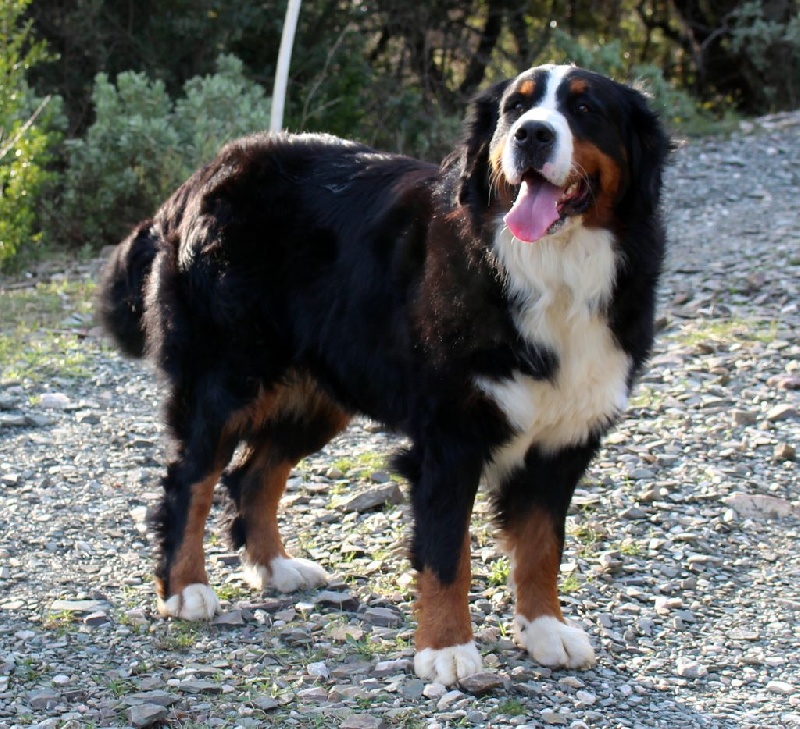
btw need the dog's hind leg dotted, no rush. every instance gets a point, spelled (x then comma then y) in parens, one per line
(301, 420)
(202, 448)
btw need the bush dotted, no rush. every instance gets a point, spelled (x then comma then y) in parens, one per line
(30, 128)
(141, 146)
(770, 51)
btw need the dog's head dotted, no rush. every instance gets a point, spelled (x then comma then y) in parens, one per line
(560, 145)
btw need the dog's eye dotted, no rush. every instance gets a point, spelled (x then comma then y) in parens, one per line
(582, 107)
(515, 105)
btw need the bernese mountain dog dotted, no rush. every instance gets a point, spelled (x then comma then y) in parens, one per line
(494, 309)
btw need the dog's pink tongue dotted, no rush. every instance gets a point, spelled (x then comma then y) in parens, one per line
(534, 210)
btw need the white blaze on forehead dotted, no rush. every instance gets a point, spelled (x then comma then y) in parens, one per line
(558, 168)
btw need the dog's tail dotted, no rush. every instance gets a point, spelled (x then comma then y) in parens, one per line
(120, 299)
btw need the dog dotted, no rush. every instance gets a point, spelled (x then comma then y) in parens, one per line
(494, 309)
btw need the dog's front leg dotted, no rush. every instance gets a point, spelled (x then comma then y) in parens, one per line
(532, 508)
(442, 501)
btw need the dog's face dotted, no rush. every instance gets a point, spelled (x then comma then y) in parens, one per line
(564, 143)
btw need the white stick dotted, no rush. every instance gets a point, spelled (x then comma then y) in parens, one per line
(282, 71)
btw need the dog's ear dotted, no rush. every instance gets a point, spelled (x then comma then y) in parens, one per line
(473, 154)
(650, 150)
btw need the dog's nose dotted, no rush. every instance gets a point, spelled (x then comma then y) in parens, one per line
(537, 136)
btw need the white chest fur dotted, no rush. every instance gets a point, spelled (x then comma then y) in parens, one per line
(560, 284)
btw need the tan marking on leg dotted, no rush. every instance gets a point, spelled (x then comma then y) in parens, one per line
(188, 564)
(260, 502)
(443, 610)
(536, 557)
(260, 510)
(253, 414)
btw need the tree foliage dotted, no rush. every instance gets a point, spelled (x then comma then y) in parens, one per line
(142, 145)
(144, 100)
(28, 132)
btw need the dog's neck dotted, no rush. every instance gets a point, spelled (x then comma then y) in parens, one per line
(575, 263)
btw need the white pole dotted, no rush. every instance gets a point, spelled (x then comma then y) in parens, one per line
(282, 70)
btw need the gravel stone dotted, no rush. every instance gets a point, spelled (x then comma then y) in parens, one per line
(481, 683)
(143, 715)
(781, 687)
(362, 721)
(374, 498)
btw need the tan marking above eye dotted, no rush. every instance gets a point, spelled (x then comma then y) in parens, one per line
(578, 86)
(526, 87)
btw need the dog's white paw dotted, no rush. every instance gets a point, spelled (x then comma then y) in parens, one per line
(553, 643)
(195, 602)
(447, 665)
(286, 574)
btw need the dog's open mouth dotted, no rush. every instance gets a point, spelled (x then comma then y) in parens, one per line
(542, 207)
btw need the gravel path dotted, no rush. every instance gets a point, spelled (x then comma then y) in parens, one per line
(682, 555)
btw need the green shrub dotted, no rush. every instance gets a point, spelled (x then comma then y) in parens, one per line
(122, 164)
(771, 53)
(142, 145)
(30, 128)
(217, 108)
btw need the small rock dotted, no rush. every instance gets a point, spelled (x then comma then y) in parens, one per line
(372, 499)
(318, 693)
(759, 505)
(785, 382)
(784, 452)
(586, 697)
(380, 477)
(192, 686)
(14, 421)
(96, 618)
(265, 703)
(143, 715)
(88, 418)
(383, 617)
(434, 690)
(743, 417)
(232, 617)
(390, 668)
(362, 721)
(159, 698)
(781, 412)
(553, 717)
(412, 689)
(318, 669)
(784, 688)
(448, 699)
(7, 402)
(341, 600)
(343, 633)
(55, 401)
(690, 669)
(348, 670)
(481, 683)
(78, 606)
(43, 699)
